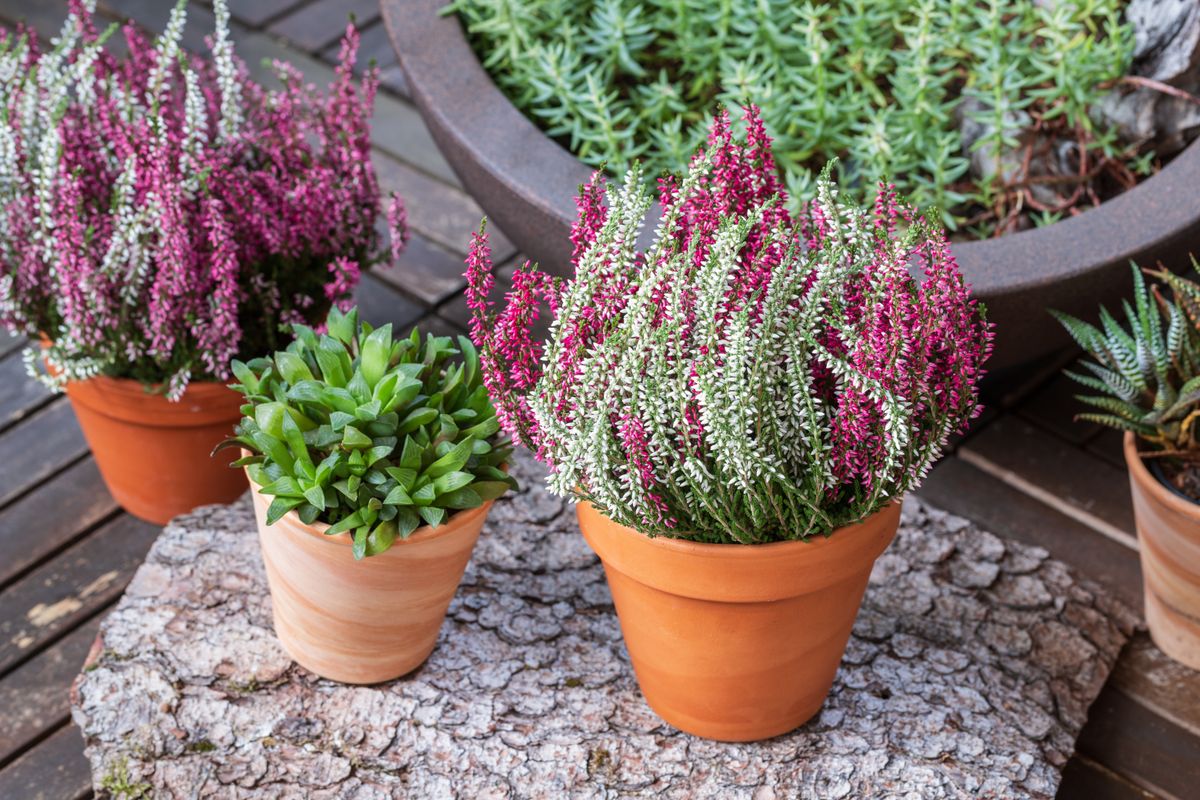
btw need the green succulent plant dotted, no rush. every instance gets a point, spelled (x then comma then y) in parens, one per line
(370, 434)
(1147, 374)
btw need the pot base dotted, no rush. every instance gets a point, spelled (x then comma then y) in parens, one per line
(737, 643)
(156, 455)
(362, 621)
(1175, 633)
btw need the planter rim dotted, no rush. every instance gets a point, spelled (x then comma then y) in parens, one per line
(451, 86)
(526, 183)
(736, 573)
(203, 402)
(424, 533)
(1152, 485)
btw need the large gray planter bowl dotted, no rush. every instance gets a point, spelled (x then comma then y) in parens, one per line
(526, 182)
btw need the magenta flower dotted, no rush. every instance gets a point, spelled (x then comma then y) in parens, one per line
(750, 377)
(163, 216)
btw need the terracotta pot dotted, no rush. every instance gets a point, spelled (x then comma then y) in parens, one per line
(156, 455)
(362, 621)
(737, 642)
(1169, 541)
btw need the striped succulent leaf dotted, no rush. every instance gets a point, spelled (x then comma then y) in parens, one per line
(1146, 373)
(371, 434)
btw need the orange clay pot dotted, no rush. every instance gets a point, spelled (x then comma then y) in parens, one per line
(737, 642)
(156, 455)
(362, 621)
(1169, 540)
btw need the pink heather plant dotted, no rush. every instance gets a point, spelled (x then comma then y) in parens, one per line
(749, 378)
(162, 214)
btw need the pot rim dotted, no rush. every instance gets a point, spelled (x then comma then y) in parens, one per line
(737, 573)
(204, 403)
(451, 86)
(316, 530)
(1152, 485)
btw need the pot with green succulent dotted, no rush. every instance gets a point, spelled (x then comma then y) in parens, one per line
(374, 462)
(1148, 382)
(739, 410)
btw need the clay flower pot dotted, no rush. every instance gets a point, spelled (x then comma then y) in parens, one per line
(737, 642)
(362, 621)
(156, 455)
(1168, 528)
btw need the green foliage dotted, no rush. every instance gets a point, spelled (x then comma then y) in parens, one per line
(879, 84)
(1146, 374)
(370, 434)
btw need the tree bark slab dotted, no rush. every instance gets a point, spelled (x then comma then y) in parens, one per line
(971, 668)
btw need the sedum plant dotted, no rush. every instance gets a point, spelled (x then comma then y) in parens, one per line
(370, 434)
(751, 376)
(1146, 375)
(916, 89)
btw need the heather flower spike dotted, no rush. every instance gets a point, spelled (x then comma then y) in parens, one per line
(162, 214)
(751, 376)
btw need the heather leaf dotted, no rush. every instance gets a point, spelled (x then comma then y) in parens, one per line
(128, 233)
(748, 377)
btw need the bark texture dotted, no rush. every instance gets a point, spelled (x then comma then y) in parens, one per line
(969, 674)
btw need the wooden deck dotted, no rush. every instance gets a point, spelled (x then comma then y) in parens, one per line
(67, 551)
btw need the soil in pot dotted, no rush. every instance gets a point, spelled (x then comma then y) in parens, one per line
(362, 621)
(1181, 478)
(1168, 527)
(737, 642)
(156, 455)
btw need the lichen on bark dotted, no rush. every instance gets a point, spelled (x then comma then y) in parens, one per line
(972, 665)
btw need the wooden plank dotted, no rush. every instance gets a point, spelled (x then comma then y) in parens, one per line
(34, 698)
(1084, 779)
(55, 769)
(374, 47)
(1064, 476)
(20, 395)
(963, 489)
(37, 448)
(57, 596)
(51, 515)
(318, 24)
(392, 78)
(1133, 741)
(427, 271)
(1166, 687)
(379, 303)
(1109, 445)
(1054, 407)
(254, 13)
(443, 214)
(10, 342)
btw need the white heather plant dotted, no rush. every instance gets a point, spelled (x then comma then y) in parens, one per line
(749, 378)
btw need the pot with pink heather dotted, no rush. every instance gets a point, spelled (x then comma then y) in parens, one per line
(738, 410)
(166, 214)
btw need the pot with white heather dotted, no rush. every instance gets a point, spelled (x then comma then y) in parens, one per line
(374, 462)
(1145, 379)
(738, 410)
